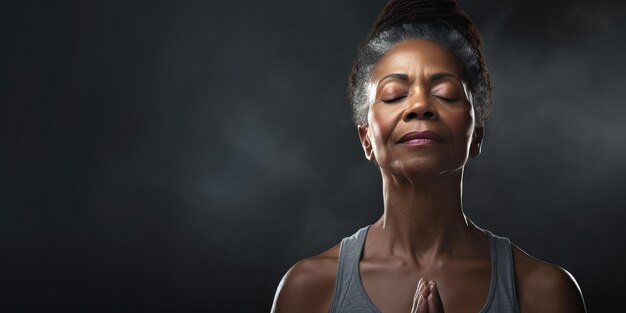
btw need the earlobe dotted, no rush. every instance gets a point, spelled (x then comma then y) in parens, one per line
(365, 142)
(477, 141)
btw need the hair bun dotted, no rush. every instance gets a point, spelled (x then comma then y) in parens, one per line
(446, 12)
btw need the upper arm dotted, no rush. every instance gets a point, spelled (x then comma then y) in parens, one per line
(556, 291)
(545, 287)
(307, 287)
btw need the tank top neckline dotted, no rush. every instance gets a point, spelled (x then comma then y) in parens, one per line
(492, 283)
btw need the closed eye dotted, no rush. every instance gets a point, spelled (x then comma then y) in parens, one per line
(446, 99)
(394, 99)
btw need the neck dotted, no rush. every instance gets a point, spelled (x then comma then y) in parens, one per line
(423, 218)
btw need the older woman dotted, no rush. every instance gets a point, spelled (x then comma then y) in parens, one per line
(420, 92)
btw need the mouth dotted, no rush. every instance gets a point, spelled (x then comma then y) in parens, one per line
(420, 138)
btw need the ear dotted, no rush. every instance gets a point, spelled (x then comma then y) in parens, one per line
(477, 141)
(365, 142)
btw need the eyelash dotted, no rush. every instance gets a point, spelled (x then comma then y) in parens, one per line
(446, 99)
(397, 99)
(394, 100)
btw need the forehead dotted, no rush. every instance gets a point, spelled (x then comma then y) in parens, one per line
(417, 57)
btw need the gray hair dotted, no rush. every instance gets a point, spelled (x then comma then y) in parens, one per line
(449, 38)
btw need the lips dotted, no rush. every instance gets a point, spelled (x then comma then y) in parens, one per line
(424, 136)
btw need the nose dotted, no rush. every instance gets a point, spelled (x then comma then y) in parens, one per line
(420, 108)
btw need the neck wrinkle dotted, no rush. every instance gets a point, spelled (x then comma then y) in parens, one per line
(423, 219)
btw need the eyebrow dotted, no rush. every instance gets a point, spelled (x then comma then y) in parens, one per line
(438, 76)
(400, 76)
(405, 77)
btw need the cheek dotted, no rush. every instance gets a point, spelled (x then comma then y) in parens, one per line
(462, 125)
(381, 124)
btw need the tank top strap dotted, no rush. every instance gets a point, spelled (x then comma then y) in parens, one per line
(349, 255)
(504, 296)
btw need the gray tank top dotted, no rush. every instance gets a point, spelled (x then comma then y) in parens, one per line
(350, 296)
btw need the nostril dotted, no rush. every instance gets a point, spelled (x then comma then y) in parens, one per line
(411, 115)
(428, 114)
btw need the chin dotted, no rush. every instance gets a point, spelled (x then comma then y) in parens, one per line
(423, 167)
(417, 167)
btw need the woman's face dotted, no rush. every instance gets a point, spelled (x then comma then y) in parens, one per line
(416, 88)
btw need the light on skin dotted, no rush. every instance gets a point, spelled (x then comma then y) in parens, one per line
(419, 86)
(413, 78)
(423, 237)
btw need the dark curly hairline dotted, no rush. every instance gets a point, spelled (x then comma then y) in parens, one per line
(449, 38)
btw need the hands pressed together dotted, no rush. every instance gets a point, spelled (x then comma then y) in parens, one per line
(426, 299)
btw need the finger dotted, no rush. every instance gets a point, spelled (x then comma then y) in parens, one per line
(425, 290)
(416, 295)
(435, 305)
(422, 305)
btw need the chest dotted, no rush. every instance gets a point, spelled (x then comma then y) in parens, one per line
(463, 287)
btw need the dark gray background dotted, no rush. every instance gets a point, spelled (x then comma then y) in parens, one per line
(182, 156)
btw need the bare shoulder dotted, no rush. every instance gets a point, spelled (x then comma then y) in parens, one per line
(308, 286)
(545, 287)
